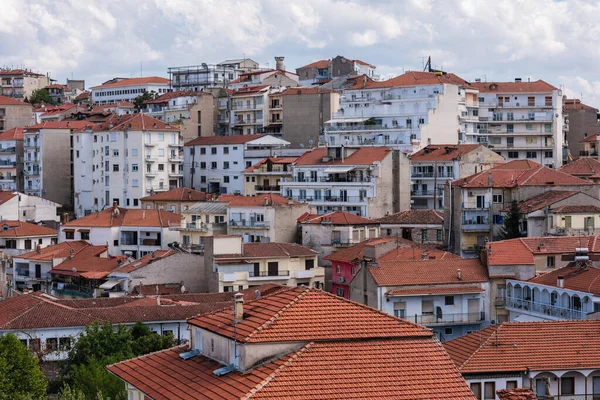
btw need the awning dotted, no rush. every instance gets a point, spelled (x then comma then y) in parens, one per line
(63, 272)
(83, 230)
(68, 230)
(110, 284)
(346, 120)
(338, 170)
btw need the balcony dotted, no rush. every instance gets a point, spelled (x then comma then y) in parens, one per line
(450, 319)
(476, 205)
(7, 164)
(330, 178)
(8, 150)
(261, 188)
(475, 226)
(157, 189)
(151, 159)
(257, 275)
(332, 199)
(430, 175)
(426, 193)
(249, 224)
(189, 226)
(151, 173)
(175, 174)
(584, 153)
(149, 144)
(543, 309)
(175, 159)
(175, 144)
(128, 241)
(364, 127)
(72, 289)
(500, 302)
(340, 243)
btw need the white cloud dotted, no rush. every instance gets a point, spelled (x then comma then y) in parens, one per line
(97, 39)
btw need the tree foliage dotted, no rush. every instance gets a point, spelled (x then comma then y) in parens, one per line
(40, 96)
(139, 100)
(20, 375)
(101, 345)
(510, 229)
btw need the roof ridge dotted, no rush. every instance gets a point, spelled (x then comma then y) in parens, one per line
(481, 345)
(24, 313)
(186, 345)
(276, 372)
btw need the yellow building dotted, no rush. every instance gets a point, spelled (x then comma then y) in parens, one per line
(265, 175)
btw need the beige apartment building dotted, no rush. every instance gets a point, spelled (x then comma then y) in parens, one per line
(265, 175)
(14, 113)
(200, 221)
(20, 83)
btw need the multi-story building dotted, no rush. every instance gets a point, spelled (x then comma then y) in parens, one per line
(241, 64)
(20, 83)
(11, 159)
(275, 78)
(265, 218)
(174, 200)
(551, 367)
(127, 231)
(123, 160)
(18, 237)
(120, 89)
(198, 77)
(215, 164)
(407, 112)
(23, 207)
(57, 113)
(584, 121)
(366, 181)
(249, 110)
(305, 112)
(522, 120)
(420, 226)
(14, 113)
(202, 220)
(48, 159)
(266, 175)
(193, 112)
(474, 206)
(433, 166)
(320, 71)
(232, 265)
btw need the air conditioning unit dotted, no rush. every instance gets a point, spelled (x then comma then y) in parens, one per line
(342, 279)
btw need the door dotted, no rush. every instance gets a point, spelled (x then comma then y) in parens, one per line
(256, 269)
(38, 271)
(542, 388)
(266, 184)
(480, 201)
(596, 387)
(473, 309)
(406, 233)
(273, 268)
(343, 195)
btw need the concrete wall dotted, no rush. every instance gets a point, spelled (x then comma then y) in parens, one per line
(304, 115)
(442, 122)
(285, 228)
(581, 122)
(16, 116)
(56, 163)
(202, 119)
(179, 268)
(363, 288)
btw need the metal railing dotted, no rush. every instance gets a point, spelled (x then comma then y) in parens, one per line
(570, 397)
(430, 175)
(261, 188)
(332, 199)
(350, 179)
(363, 127)
(139, 242)
(248, 223)
(256, 274)
(544, 308)
(460, 318)
(192, 226)
(440, 192)
(476, 205)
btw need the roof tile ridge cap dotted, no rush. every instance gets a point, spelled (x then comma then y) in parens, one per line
(481, 346)
(275, 317)
(186, 345)
(369, 308)
(278, 370)
(40, 298)
(22, 314)
(530, 176)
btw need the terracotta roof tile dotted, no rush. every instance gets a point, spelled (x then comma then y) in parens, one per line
(24, 229)
(272, 249)
(428, 272)
(6, 195)
(515, 347)
(411, 78)
(516, 394)
(274, 160)
(178, 194)
(538, 86)
(417, 253)
(435, 290)
(307, 314)
(585, 167)
(583, 278)
(9, 101)
(414, 217)
(336, 218)
(582, 209)
(60, 250)
(509, 252)
(134, 81)
(12, 134)
(306, 90)
(541, 201)
(317, 64)
(362, 156)
(443, 152)
(357, 252)
(143, 261)
(139, 122)
(576, 104)
(222, 140)
(126, 217)
(72, 125)
(265, 199)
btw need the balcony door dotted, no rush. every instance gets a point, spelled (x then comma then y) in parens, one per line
(473, 309)
(273, 268)
(596, 387)
(480, 201)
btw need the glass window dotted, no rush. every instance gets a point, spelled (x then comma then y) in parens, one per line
(449, 300)
(567, 385)
(476, 389)
(489, 390)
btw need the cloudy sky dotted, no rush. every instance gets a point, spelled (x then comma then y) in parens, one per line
(558, 41)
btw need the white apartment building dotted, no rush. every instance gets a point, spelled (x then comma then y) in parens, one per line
(249, 110)
(407, 112)
(214, 164)
(120, 89)
(124, 160)
(522, 120)
(198, 77)
(11, 159)
(368, 181)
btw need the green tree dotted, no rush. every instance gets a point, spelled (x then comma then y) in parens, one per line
(92, 379)
(68, 393)
(510, 229)
(145, 341)
(100, 341)
(40, 96)
(20, 375)
(139, 101)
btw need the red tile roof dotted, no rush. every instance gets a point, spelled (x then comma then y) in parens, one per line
(417, 253)
(543, 200)
(336, 218)
(538, 86)
(524, 346)
(6, 195)
(522, 250)
(414, 217)
(428, 272)
(24, 229)
(90, 262)
(585, 167)
(139, 122)
(248, 90)
(443, 152)
(12, 134)
(435, 290)
(74, 125)
(362, 156)
(179, 194)
(576, 104)
(272, 249)
(519, 173)
(260, 200)
(576, 209)
(126, 217)
(411, 78)
(222, 140)
(582, 277)
(306, 90)
(303, 314)
(9, 101)
(274, 160)
(150, 80)
(357, 252)
(516, 394)
(317, 64)
(143, 261)
(60, 250)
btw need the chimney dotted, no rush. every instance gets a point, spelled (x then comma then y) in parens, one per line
(490, 179)
(279, 63)
(560, 281)
(459, 274)
(518, 80)
(424, 256)
(478, 80)
(266, 201)
(238, 307)
(38, 248)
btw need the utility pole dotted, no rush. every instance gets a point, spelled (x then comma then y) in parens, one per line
(435, 185)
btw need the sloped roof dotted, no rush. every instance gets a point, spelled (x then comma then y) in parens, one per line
(582, 209)
(542, 200)
(274, 160)
(12, 134)
(9, 101)
(583, 278)
(357, 252)
(576, 104)
(178, 194)
(143, 261)
(273, 249)
(585, 167)
(538, 86)
(428, 272)
(306, 90)
(523, 346)
(59, 250)
(410, 78)
(362, 156)
(6, 195)
(134, 81)
(139, 122)
(336, 218)
(316, 64)
(24, 229)
(126, 217)
(73, 125)
(520, 173)
(222, 140)
(414, 217)
(88, 263)
(516, 394)
(304, 314)
(264, 199)
(208, 207)
(443, 152)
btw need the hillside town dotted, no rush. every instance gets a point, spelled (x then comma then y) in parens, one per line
(236, 230)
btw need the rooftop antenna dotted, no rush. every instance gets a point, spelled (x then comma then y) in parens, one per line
(141, 70)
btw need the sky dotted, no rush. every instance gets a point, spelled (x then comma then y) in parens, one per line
(495, 40)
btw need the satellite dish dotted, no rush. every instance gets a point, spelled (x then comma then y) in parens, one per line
(74, 269)
(310, 142)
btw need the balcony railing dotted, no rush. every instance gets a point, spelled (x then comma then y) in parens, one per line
(550, 310)
(363, 127)
(248, 224)
(332, 199)
(261, 188)
(139, 242)
(440, 192)
(481, 226)
(476, 205)
(189, 226)
(430, 175)
(256, 274)
(323, 179)
(460, 318)
(570, 397)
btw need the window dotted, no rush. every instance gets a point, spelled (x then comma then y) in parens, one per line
(309, 264)
(228, 288)
(567, 221)
(248, 164)
(134, 152)
(531, 154)
(531, 139)
(202, 165)
(225, 179)
(354, 270)
(567, 385)
(339, 291)
(337, 268)
(161, 167)
(497, 219)
(529, 127)
(115, 152)
(135, 183)
(513, 154)
(70, 234)
(449, 300)
(202, 150)
(213, 165)
(203, 179)
(77, 152)
(530, 101)
(161, 152)
(51, 344)
(424, 234)
(548, 101)
(439, 235)
(548, 128)
(225, 164)
(225, 150)
(489, 390)
(161, 137)
(511, 384)
(476, 389)
(85, 235)
(588, 223)
(213, 150)
(115, 167)
(498, 198)
(64, 343)
(549, 154)
(400, 309)
(135, 202)
(550, 262)
(448, 331)
(34, 345)
(134, 167)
